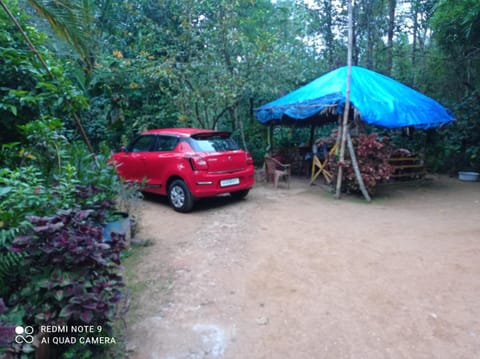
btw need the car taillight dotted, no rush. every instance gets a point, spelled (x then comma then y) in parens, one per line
(198, 163)
(249, 159)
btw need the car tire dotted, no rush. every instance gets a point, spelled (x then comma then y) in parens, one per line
(180, 197)
(240, 194)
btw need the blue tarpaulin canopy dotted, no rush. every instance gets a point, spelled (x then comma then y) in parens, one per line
(377, 99)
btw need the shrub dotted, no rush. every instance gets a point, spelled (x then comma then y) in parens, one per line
(54, 266)
(75, 276)
(372, 156)
(76, 272)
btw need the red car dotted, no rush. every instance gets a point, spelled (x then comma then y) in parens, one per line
(186, 164)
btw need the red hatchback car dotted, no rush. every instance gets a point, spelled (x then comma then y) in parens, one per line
(186, 164)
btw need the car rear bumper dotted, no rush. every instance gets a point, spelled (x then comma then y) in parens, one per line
(206, 185)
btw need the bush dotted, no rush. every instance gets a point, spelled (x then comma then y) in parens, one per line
(372, 156)
(54, 266)
(76, 273)
(70, 275)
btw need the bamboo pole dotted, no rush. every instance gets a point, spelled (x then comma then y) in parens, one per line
(358, 174)
(347, 102)
(339, 136)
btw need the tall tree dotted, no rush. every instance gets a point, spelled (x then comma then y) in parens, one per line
(456, 28)
(392, 4)
(370, 27)
(325, 26)
(420, 13)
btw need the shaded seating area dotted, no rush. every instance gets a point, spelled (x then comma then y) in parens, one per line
(373, 99)
(276, 170)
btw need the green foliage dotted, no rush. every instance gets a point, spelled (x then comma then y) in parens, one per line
(71, 21)
(66, 194)
(45, 145)
(26, 91)
(200, 63)
(456, 28)
(49, 169)
(11, 263)
(127, 96)
(209, 64)
(190, 64)
(11, 316)
(46, 178)
(457, 146)
(255, 135)
(457, 25)
(23, 192)
(75, 276)
(408, 138)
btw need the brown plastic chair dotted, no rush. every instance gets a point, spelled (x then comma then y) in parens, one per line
(275, 170)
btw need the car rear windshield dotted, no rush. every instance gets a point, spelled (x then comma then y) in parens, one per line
(216, 142)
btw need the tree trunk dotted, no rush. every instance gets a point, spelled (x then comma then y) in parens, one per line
(329, 38)
(355, 51)
(370, 36)
(414, 43)
(391, 27)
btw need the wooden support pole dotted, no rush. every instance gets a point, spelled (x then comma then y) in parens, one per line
(339, 136)
(358, 174)
(347, 102)
(341, 161)
(346, 110)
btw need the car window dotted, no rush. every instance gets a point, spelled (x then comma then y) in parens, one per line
(213, 143)
(142, 144)
(166, 143)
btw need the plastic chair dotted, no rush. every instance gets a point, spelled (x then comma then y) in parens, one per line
(275, 170)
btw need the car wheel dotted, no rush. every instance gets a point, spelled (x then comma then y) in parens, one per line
(180, 197)
(239, 194)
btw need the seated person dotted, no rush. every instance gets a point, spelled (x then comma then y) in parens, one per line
(320, 149)
(305, 151)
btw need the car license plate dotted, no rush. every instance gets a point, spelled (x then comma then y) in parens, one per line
(229, 182)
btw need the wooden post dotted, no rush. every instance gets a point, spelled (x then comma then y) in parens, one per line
(347, 102)
(339, 136)
(358, 174)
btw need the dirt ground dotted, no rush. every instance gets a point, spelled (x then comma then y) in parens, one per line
(295, 273)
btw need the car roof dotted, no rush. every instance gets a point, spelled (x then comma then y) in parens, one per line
(182, 132)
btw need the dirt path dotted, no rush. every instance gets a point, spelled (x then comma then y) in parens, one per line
(297, 274)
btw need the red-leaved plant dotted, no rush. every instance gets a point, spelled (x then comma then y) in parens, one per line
(74, 275)
(372, 156)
